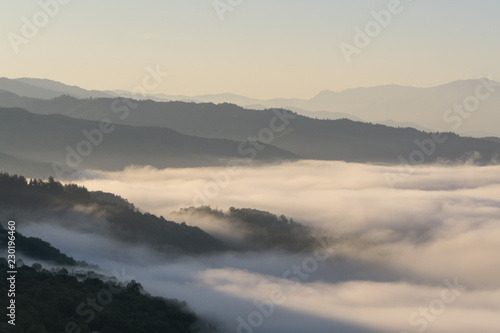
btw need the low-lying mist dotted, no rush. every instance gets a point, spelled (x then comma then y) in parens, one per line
(421, 255)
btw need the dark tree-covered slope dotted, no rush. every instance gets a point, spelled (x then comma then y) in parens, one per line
(52, 302)
(36, 248)
(259, 230)
(104, 215)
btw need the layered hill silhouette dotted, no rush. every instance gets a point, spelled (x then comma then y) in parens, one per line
(393, 105)
(43, 88)
(34, 200)
(102, 214)
(295, 135)
(255, 230)
(25, 166)
(75, 144)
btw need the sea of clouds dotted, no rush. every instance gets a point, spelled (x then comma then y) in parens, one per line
(420, 256)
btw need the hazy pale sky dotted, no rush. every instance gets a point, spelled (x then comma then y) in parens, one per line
(262, 48)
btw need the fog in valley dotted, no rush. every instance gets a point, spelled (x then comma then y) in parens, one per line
(414, 255)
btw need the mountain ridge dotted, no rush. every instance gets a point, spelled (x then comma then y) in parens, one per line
(423, 106)
(57, 138)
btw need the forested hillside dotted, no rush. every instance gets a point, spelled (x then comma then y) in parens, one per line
(76, 207)
(53, 302)
(36, 248)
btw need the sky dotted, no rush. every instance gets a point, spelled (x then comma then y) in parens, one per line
(261, 48)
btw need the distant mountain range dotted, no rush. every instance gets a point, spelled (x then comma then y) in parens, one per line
(46, 89)
(111, 133)
(392, 105)
(32, 143)
(211, 135)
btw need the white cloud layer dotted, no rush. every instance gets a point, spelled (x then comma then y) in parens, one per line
(421, 257)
